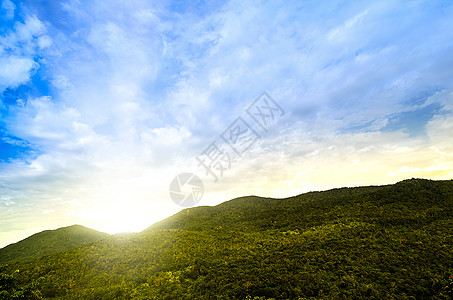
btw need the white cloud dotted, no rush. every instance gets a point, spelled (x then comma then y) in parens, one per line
(15, 71)
(31, 28)
(338, 33)
(44, 41)
(17, 51)
(9, 7)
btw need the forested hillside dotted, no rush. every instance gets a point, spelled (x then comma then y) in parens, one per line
(49, 241)
(378, 242)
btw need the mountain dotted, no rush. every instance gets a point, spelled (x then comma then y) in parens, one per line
(375, 242)
(49, 241)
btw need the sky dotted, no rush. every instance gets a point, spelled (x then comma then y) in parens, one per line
(104, 103)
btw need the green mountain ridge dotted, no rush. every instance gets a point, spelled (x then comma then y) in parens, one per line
(375, 242)
(49, 241)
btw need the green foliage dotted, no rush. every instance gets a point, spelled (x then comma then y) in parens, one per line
(10, 287)
(49, 241)
(376, 242)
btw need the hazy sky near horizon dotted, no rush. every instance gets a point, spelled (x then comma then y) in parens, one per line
(103, 103)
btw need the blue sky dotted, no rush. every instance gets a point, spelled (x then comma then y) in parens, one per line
(103, 103)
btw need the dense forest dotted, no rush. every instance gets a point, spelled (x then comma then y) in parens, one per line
(376, 242)
(49, 241)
